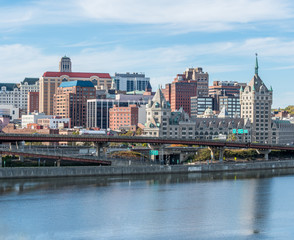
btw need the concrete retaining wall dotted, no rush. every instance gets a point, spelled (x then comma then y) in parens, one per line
(38, 172)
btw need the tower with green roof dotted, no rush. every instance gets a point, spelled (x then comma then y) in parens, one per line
(256, 102)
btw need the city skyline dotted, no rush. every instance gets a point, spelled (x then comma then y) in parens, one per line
(159, 38)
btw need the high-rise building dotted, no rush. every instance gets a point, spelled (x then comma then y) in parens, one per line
(65, 64)
(51, 80)
(70, 101)
(162, 122)
(231, 104)
(120, 117)
(179, 93)
(131, 81)
(16, 95)
(200, 104)
(33, 102)
(200, 77)
(228, 88)
(256, 101)
(98, 109)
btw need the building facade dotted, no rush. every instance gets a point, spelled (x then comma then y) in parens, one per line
(50, 81)
(200, 77)
(200, 104)
(131, 81)
(55, 122)
(179, 93)
(256, 102)
(120, 117)
(33, 102)
(162, 122)
(16, 95)
(98, 110)
(70, 101)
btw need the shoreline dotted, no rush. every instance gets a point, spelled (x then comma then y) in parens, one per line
(86, 171)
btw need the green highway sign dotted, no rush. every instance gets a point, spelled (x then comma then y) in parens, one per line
(240, 131)
(153, 152)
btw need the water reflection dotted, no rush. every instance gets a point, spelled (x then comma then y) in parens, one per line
(233, 205)
(26, 185)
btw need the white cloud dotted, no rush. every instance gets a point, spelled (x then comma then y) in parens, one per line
(19, 61)
(178, 16)
(192, 14)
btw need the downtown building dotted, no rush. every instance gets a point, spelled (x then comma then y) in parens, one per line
(98, 115)
(226, 94)
(192, 83)
(163, 122)
(70, 101)
(256, 102)
(16, 95)
(123, 117)
(50, 81)
(129, 82)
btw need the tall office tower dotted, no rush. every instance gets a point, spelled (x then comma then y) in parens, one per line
(33, 102)
(65, 64)
(131, 81)
(202, 79)
(51, 80)
(256, 101)
(70, 101)
(179, 93)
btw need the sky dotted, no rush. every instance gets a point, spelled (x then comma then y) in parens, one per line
(160, 38)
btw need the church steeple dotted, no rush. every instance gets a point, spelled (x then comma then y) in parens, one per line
(256, 65)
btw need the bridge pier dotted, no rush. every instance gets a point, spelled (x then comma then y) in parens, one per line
(21, 158)
(98, 146)
(221, 153)
(58, 163)
(0, 160)
(159, 147)
(213, 151)
(265, 152)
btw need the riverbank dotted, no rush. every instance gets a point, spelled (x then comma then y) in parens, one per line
(41, 172)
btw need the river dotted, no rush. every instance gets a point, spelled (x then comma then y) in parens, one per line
(235, 205)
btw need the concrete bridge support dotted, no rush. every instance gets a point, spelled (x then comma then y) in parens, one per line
(265, 152)
(0, 160)
(160, 149)
(21, 158)
(213, 151)
(221, 153)
(99, 146)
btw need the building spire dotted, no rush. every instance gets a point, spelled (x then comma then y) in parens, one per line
(256, 65)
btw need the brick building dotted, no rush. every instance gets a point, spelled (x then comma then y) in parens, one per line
(33, 102)
(70, 101)
(50, 81)
(120, 117)
(179, 93)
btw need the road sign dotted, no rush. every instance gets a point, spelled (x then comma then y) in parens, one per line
(234, 131)
(240, 131)
(153, 152)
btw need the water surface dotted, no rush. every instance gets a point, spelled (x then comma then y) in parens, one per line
(241, 205)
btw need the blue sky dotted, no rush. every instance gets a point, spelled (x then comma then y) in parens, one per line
(158, 37)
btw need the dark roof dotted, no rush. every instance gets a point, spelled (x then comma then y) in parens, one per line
(9, 86)
(77, 83)
(30, 81)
